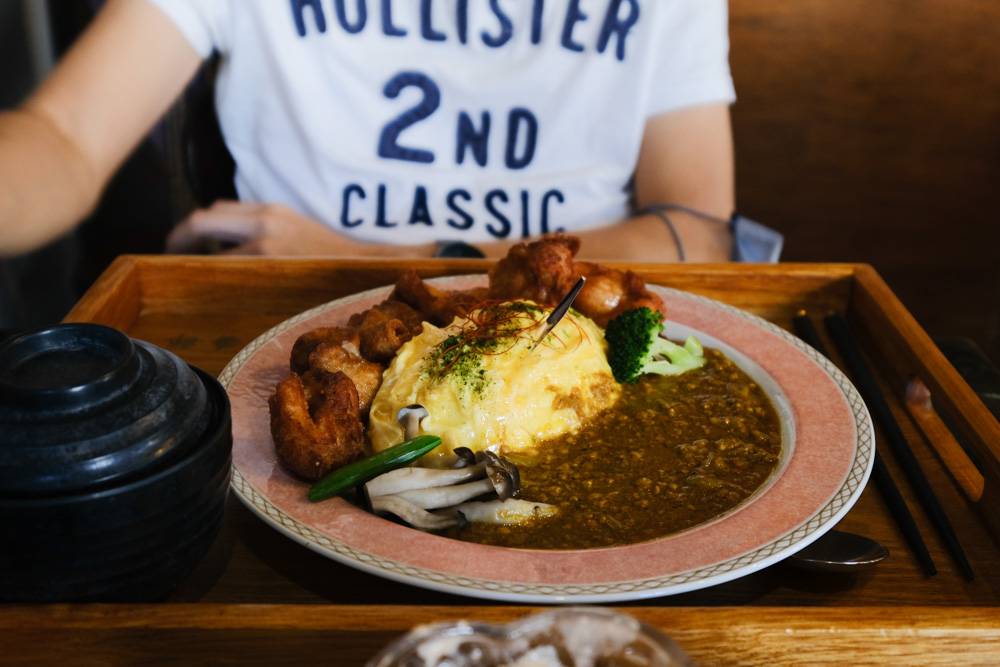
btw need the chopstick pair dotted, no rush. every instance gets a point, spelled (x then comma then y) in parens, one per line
(841, 334)
(805, 329)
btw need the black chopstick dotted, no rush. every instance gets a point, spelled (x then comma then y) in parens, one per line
(884, 482)
(560, 311)
(901, 448)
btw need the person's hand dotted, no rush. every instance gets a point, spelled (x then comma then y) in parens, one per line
(270, 229)
(252, 229)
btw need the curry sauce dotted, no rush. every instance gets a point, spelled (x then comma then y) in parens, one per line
(673, 452)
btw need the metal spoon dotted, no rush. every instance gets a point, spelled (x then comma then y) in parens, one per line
(837, 551)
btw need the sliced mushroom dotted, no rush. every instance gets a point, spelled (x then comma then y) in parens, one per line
(506, 512)
(503, 473)
(459, 458)
(409, 492)
(464, 457)
(432, 488)
(413, 515)
(447, 496)
(409, 418)
(405, 479)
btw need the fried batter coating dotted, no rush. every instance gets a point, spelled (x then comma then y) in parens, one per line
(311, 445)
(382, 335)
(328, 359)
(610, 292)
(304, 345)
(541, 271)
(389, 309)
(439, 307)
(381, 340)
(544, 271)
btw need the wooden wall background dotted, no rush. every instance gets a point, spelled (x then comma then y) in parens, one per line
(869, 131)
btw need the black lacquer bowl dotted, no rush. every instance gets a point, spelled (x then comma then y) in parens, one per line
(115, 459)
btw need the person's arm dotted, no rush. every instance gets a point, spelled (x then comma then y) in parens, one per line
(252, 228)
(60, 148)
(686, 159)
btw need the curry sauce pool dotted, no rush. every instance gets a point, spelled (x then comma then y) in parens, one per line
(674, 452)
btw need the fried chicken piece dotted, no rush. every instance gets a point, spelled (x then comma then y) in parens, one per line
(313, 444)
(380, 340)
(439, 307)
(393, 310)
(544, 271)
(381, 334)
(348, 337)
(328, 359)
(610, 292)
(541, 271)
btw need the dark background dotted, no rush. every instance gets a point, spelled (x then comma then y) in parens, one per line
(869, 131)
(866, 131)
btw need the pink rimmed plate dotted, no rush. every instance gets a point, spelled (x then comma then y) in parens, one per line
(828, 453)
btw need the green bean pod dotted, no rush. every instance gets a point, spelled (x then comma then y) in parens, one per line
(361, 471)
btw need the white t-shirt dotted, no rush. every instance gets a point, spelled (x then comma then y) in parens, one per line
(407, 121)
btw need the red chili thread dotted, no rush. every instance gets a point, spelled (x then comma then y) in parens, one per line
(484, 323)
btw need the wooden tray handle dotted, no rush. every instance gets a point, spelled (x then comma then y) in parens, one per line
(938, 435)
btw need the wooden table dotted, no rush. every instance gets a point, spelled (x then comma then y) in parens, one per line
(260, 597)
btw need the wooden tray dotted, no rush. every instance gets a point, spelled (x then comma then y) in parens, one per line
(259, 595)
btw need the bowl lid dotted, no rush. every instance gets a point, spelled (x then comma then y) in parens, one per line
(83, 405)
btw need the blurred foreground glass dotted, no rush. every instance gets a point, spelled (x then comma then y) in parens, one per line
(571, 637)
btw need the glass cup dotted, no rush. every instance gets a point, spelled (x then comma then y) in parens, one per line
(569, 637)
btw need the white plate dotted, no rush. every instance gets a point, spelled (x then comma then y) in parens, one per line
(828, 453)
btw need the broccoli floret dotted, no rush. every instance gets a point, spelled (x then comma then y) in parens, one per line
(636, 348)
